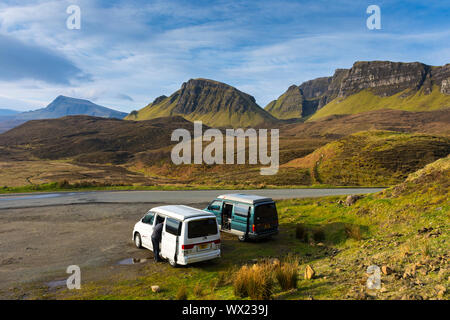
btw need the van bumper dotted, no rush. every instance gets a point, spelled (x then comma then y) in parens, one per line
(262, 235)
(203, 256)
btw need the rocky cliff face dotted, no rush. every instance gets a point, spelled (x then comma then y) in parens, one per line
(386, 78)
(204, 96)
(382, 78)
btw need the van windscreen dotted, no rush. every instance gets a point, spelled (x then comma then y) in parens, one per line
(202, 228)
(266, 213)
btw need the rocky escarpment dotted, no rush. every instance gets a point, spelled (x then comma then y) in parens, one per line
(386, 78)
(215, 103)
(382, 78)
(204, 96)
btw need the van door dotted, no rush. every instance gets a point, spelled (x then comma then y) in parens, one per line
(216, 208)
(147, 229)
(169, 240)
(227, 212)
(240, 220)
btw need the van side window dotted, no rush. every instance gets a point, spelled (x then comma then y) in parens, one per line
(148, 218)
(241, 210)
(173, 226)
(215, 205)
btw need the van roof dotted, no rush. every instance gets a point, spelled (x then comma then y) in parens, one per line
(246, 198)
(181, 212)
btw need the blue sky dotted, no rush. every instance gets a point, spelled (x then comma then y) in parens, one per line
(129, 52)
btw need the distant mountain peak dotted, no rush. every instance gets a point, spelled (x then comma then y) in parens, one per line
(63, 106)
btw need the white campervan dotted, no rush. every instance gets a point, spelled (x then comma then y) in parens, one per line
(189, 235)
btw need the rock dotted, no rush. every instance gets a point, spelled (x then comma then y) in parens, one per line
(386, 270)
(156, 289)
(309, 272)
(275, 261)
(445, 86)
(351, 200)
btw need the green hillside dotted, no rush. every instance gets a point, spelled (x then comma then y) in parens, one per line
(366, 100)
(372, 158)
(288, 106)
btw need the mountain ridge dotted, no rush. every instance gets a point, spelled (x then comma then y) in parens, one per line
(380, 79)
(213, 102)
(66, 106)
(61, 106)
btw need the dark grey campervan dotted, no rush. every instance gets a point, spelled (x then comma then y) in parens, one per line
(247, 216)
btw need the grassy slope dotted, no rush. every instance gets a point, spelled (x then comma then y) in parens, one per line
(365, 100)
(372, 158)
(278, 110)
(388, 224)
(223, 117)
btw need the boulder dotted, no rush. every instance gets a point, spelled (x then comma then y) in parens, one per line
(156, 289)
(386, 270)
(309, 272)
(352, 199)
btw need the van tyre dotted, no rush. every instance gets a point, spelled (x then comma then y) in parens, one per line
(172, 263)
(242, 238)
(138, 240)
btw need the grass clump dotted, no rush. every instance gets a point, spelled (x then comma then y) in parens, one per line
(198, 290)
(287, 274)
(255, 282)
(301, 232)
(353, 231)
(181, 293)
(318, 235)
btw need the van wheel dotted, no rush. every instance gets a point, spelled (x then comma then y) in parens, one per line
(242, 238)
(138, 240)
(172, 263)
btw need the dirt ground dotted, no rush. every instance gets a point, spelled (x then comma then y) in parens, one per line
(38, 244)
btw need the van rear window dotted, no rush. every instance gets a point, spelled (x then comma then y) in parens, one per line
(202, 228)
(266, 213)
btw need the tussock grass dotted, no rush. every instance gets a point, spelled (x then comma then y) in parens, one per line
(353, 231)
(286, 273)
(198, 290)
(255, 282)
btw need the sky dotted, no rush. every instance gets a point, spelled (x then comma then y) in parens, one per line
(126, 53)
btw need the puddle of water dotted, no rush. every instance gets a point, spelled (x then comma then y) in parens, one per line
(56, 284)
(130, 261)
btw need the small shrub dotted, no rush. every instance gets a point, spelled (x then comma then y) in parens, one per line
(198, 290)
(318, 235)
(353, 232)
(426, 250)
(213, 284)
(300, 232)
(224, 278)
(63, 184)
(287, 274)
(255, 282)
(181, 293)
